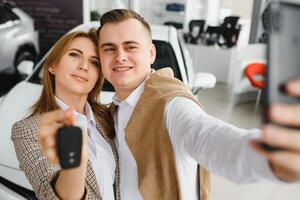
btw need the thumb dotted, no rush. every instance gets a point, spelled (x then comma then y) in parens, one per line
(69, 116)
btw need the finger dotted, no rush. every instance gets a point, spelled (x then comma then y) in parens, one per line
(52, 156)
(49, 143)
(286, 165)
(293, 87)
(51, 117)
(285, 114)
(281, 137)
(69, 117)
(84, 153)
(256, 145)
(48, 130)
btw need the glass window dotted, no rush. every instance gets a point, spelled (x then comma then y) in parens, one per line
(7, 15)
(3, 15)
(12, 15)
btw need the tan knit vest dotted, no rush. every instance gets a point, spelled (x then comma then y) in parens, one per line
(149, 141)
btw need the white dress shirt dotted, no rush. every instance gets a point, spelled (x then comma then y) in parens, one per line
(99, 151)
(196, 138)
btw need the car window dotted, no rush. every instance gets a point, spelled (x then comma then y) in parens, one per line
(3, 15)
(165, 57)
(12, 15)
(7, 15)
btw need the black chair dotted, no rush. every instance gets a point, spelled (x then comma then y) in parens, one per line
(165, 57)
(177, 25)
(230, 31)
(212, 35)
(195, 34)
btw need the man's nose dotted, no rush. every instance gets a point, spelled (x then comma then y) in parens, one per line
(121, 56)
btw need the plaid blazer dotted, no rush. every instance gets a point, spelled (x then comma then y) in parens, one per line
(40, 172)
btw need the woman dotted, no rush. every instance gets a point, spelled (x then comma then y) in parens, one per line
(71, 86)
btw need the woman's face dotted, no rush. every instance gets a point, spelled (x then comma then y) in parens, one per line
(78, 70)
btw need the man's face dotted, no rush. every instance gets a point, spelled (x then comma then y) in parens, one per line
(126, 54)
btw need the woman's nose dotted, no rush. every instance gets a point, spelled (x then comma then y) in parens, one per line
(83, 64)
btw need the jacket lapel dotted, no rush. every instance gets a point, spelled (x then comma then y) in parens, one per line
(91, 179)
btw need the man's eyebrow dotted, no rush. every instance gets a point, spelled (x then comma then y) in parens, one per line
(131, 42)
(109, 44)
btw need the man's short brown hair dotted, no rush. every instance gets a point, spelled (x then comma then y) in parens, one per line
(120, 15)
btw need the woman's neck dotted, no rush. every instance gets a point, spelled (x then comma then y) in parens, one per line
(76, 102)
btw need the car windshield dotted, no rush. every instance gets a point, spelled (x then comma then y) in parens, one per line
(165, 57)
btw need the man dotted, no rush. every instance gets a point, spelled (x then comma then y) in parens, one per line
(162, 132)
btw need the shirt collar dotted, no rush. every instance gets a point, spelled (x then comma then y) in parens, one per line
(88, 110)
(133, 98)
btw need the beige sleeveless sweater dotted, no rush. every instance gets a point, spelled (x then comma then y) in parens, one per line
(149, 141)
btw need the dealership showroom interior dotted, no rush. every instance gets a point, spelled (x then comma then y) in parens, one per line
(231, 56)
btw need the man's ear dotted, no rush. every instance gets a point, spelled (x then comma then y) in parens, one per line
(52, 70)
(152, 53)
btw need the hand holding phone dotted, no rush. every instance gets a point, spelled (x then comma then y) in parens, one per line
(283, 57)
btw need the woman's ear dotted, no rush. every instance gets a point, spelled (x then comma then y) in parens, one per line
(51, 70)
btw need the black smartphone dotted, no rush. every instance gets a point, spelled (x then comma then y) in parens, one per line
(283, 55)
(69, 144)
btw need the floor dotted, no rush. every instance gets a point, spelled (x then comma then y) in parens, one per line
(217, 103)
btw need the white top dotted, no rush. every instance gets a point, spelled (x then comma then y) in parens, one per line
(196, 138)
(99, 151)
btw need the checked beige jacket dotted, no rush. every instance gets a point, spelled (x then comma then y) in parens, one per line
(37, 168)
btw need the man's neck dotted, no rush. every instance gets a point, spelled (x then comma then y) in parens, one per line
(122, 94)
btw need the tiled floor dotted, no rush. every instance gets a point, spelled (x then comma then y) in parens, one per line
(217, 103)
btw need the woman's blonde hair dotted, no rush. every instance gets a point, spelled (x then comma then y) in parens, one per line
(46, 101)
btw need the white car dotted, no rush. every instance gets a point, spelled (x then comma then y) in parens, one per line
(16, 103)
(19, 39)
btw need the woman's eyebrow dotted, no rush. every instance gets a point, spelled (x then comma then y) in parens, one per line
(74, 49)
(95, 57)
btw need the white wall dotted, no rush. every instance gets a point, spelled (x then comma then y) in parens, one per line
(241, 8)
(86, 11)
(103, 6)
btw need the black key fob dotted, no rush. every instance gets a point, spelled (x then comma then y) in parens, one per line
(69, 142)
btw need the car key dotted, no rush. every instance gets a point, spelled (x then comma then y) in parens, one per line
(69, 144)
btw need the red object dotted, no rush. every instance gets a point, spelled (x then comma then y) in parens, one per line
(253, 70)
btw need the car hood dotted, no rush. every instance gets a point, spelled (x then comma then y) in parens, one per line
(15, 106)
